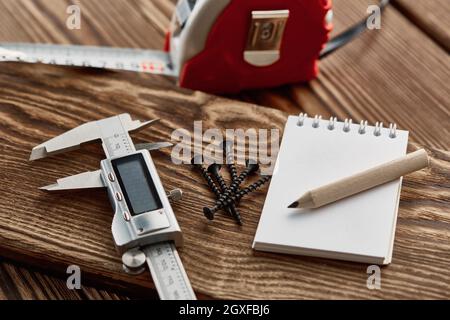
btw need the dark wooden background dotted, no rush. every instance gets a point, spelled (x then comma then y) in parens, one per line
(400, 74)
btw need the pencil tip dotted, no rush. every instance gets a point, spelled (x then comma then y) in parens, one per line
(293, 205)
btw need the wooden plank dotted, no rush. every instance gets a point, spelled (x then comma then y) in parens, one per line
(57, 230)
(395, 74)
(431, 16)
(137, 23)
(44, 21)
(18, 283)
(48, 100)
(373, 71)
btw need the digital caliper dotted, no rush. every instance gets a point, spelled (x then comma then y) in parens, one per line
(144, 226)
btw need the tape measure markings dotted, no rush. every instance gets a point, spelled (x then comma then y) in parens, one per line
(129, 59)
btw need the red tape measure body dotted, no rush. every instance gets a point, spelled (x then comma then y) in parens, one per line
(220, 67)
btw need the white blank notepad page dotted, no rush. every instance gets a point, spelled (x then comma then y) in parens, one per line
(362, 225)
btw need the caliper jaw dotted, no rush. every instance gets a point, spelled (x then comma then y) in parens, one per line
(128, 231)
(85, 133)
(85, 180)
(93, 179)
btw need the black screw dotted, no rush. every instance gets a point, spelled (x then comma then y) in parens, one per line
(251, 167)
(214, 169)
(196, 163)
(227, 147)
(228, 198)
(204, 172)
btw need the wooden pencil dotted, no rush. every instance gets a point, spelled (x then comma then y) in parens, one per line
(362, 181)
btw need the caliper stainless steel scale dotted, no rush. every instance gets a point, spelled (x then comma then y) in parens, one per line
(144, 226)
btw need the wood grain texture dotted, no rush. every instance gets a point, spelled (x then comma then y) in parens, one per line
(18, 283)
(431, 16)
(44, 21)
(394, 82)
(62, 229)
(394, 74)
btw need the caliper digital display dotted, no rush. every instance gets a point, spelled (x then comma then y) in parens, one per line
(136, 183)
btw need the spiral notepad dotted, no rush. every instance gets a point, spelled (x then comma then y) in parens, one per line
(314, 152)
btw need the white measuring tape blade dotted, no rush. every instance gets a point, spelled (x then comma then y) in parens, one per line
(169, 276)
(138, 60)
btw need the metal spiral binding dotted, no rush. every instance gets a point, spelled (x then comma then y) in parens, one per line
(377, 130)
(362, 127)
(316, 121)
(301, 119)
(392, 130)
(331, 123)
(347, 125)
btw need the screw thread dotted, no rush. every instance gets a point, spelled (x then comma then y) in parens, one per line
(238, 181)
(210, 182)
(227, 198)
(254, 186)
(229, 157)
(235, 182)
(222, 183)
(233, 172)
(231, 209)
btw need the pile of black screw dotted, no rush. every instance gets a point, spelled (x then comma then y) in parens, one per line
(228, 197)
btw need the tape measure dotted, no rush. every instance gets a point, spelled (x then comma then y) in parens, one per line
(218, 46)
(151, 61)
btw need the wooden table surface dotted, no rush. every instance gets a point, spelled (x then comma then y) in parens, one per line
(400, 74)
